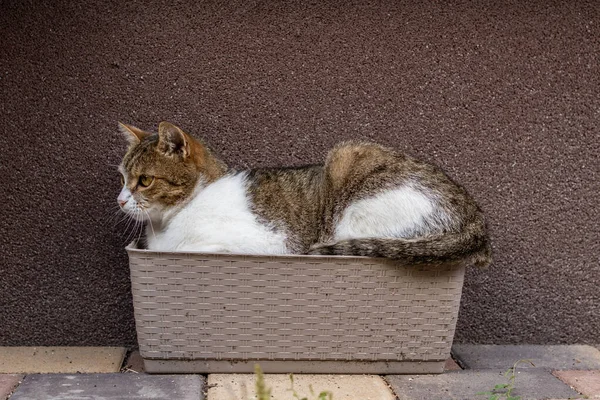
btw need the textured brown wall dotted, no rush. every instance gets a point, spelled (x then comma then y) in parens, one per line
(504, 96)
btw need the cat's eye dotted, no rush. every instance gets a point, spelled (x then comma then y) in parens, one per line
(146, 181)
(122, 180)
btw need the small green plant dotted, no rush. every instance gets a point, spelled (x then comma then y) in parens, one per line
(324, 395)
(264, 393)
(504, 390)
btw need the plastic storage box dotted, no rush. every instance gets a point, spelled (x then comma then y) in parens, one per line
(210, 313)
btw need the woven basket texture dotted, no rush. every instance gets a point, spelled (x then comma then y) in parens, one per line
(194, 306)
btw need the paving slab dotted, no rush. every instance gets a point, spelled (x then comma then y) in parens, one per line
(586, 382)
(557, 357)
(8, 382)
(134, 363)
(451, 365)
(32, 360)
(343, 387)
(110, 387)
(531, 384)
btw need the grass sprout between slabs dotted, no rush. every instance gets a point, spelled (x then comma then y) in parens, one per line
(264, 393)
(503, 391)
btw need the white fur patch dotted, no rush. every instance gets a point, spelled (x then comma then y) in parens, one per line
(217, 219)
(403, 212)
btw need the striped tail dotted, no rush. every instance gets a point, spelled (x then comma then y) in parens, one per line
(468, 246)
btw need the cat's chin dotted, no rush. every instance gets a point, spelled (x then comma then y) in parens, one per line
(138, 216)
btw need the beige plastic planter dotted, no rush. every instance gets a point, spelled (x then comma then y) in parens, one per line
(207, 313)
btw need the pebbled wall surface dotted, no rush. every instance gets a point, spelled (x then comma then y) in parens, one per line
(505, 96)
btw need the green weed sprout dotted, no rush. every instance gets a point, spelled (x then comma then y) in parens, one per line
(324, 395)
(264, 393)
(504, 390)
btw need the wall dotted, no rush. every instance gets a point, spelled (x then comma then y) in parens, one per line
(504, 96)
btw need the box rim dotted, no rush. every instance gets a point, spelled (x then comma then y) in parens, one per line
(131, 248)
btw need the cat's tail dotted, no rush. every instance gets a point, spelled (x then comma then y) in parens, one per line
(471, 246)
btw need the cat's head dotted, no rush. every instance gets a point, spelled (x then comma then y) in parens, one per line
(162, 170)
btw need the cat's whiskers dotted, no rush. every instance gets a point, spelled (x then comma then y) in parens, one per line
(150, 222)
(133, 224)
(141, 230)
(116, 212)
(141, 223)
(125, 217)
(120, 216)
(109, 217)
(135, 227)
(127, 220)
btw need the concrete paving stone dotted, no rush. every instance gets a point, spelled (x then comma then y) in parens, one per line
(586, 382)
(451, 365)
(32, 360)
(531, 384)
(134, 363)
(110, 387)
(8, 382)
(557, 357)
(343, 387)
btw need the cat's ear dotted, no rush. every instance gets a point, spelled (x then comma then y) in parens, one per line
(172, 140)
(131, 133)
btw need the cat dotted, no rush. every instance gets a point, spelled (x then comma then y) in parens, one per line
(365, 200)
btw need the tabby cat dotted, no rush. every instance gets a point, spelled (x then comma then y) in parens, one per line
(365, 200)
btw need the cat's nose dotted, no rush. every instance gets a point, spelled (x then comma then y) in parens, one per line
(122, 202)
